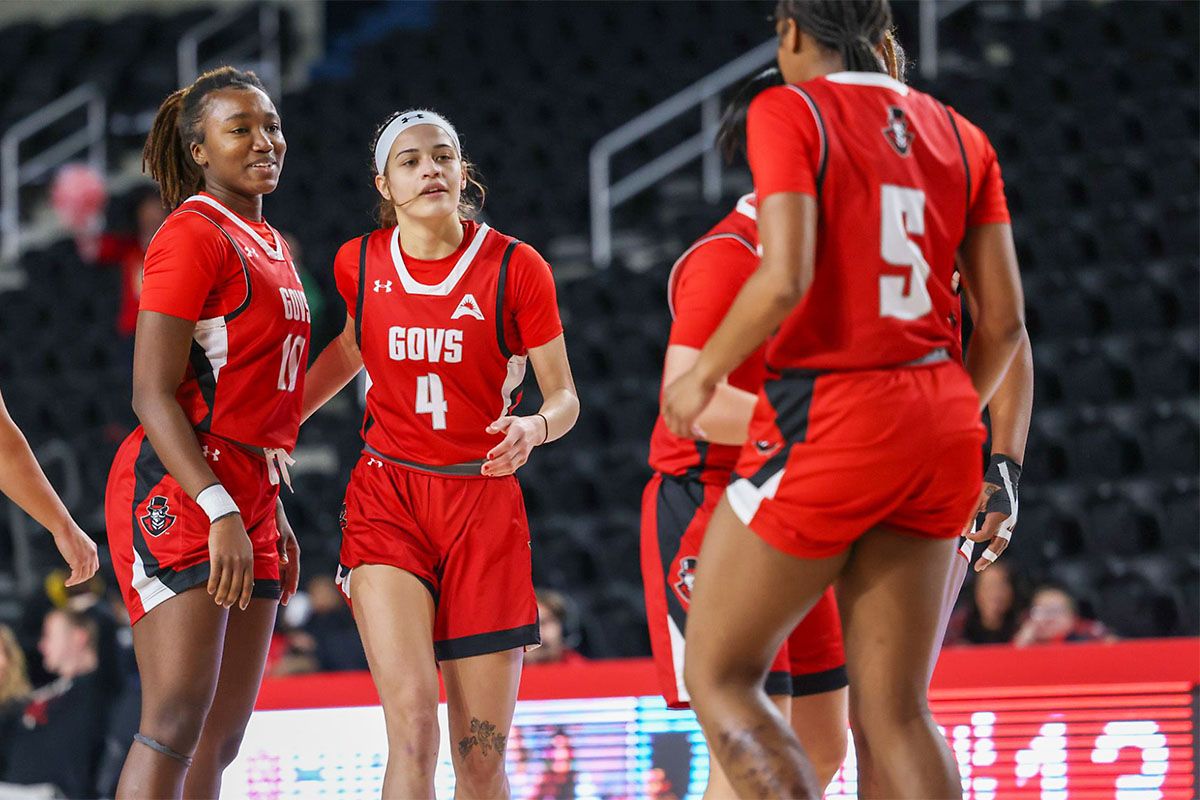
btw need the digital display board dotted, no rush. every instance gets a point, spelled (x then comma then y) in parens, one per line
(1128, 741)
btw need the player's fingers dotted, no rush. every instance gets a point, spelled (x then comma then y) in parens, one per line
(994, 551)
(510, 441)
(991, 526)
(501, 424)
(76, 577)
(224, 586)
(247, 586)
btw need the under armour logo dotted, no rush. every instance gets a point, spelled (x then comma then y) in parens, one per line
(404, 120)
(374, 462)
(467, 307)
(383, 286)
(250, 251)
(214, 454)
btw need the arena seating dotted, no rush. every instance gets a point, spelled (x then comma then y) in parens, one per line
(1093, 109)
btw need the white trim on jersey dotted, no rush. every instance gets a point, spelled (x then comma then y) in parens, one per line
(213, 338)
(412, 286)
(516, 375)
(745, 498)
(876, 79)
(151, 591)
(275, 253)
(695, 245)
(678, 647)
(746, 206)
(823, 155)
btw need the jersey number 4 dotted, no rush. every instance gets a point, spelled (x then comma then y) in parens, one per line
(432, 400)
(289, 365)
(903, 296)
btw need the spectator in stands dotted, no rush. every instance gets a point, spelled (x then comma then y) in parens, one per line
(1054, 618)
(554, 617)
(14, 682)
(993, 612)
(59, 736)
(329, 635)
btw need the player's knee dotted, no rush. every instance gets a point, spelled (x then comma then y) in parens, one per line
(480, 774)
(175, 724)
(412, 726)
(225, 747)
(827, 753)
(880, 712)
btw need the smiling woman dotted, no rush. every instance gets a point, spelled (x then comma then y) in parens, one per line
(221, 302)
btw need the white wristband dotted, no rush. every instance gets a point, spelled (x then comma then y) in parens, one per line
(216, 502)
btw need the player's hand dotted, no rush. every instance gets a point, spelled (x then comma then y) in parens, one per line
(231, 558)
(998, 506)
(521, 435)
(684, 400)
(79, 551)
(289, 555)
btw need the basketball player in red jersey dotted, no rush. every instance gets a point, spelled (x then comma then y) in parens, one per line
(444, 313)
(863, 433)
(23, 482)
(192, 499)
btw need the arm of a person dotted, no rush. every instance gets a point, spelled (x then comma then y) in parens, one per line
(1011, 406)
(989, 266)
(787, 223)
(161, 348)
(557, 415)
(336, 366)
(726, 419)
(23, 481)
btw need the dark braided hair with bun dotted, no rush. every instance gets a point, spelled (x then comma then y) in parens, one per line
(854, 28)
(178, 125)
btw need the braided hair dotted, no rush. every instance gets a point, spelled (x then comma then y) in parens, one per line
(854, 28)
(178, 125)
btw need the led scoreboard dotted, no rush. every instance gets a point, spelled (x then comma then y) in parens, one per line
(1100, 736)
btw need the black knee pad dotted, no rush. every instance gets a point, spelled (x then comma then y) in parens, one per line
(162, 748)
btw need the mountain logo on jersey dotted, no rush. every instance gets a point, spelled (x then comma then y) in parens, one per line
(897, 132)
(158, 519)
(467, 307)
(687, 577)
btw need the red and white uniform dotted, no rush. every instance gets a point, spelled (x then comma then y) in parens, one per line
(241, 391)
(868, 418)
(445, 345)
(690, 477)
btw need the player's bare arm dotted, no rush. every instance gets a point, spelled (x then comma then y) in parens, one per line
(559, 411)
(989, 265)
(22, 480)
(787, 223)
(337, 365)
(160, 357)
(726, 419)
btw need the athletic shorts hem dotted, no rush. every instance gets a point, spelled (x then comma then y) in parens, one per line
(480, 644)
(262, 590)
(778, 684)
(820, 682)
(793, 546)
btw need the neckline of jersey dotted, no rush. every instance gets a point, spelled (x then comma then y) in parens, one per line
(877, 79)
(447, 284)
(274, 253)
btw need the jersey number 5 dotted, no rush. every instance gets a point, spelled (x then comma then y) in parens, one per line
(432, 400)
(289, 365)
(903, 213)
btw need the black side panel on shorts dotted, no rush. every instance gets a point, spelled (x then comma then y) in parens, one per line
(676, 505)
(791, 397)
(501, 284)
(149, 472)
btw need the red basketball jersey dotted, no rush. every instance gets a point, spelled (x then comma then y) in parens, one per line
(444, 342)
(234, 278)
(898, 178)
(700, 289)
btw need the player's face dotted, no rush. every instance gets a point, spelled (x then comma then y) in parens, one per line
(424, 177)
(243, 143)
(1053, 613)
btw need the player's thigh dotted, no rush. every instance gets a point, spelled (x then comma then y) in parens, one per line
(394, 613)
(243, 659)
(890, 596)
(481, 694)
(747, 597)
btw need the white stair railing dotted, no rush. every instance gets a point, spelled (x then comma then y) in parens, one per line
(257, 49)
(16, 172)
(606, 195)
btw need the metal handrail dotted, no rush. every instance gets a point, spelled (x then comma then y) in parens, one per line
(706, 93)
(14, 174)
(269, 65)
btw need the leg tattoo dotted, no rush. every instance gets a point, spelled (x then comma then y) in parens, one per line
(485, 737)
(762, 764)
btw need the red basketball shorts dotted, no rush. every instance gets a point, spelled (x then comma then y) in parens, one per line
(465, 538)
(675, 515)
(158, 536)
(832, 455)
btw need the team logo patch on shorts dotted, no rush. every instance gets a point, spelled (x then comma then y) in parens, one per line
(687, 576)
(158, 519)
(342, 518)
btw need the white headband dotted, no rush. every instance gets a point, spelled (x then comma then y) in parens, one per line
(403, 122)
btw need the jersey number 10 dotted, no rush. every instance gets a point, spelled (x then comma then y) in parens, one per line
(289, 365)
(903, 213)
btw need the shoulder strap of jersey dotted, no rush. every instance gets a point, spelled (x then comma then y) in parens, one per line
(362, 283)
(823, 159)
(501, 284)
(673, 277)
(238, 252)
(962, 151)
